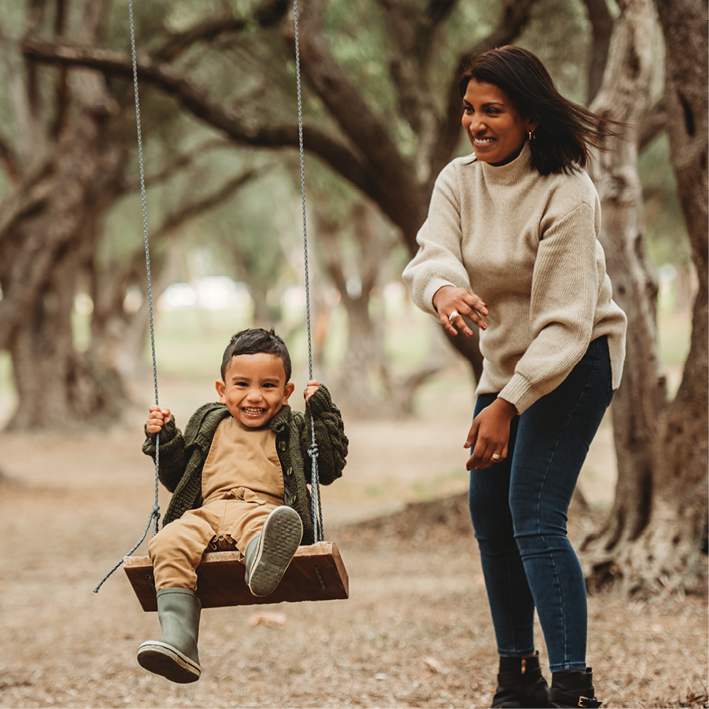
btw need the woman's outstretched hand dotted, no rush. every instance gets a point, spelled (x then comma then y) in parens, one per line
(490, 434)
(452, 303)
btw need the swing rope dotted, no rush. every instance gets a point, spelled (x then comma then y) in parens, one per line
(313, 449)
(155, 512)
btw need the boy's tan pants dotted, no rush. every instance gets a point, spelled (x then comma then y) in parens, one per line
(177, 549)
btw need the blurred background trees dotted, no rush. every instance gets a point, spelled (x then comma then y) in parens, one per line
(381, 118)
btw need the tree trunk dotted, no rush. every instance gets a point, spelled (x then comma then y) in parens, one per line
(119, 338)
(366, 387)
(678, 533)
(624, 96)
(364, 354)
(601, 32)
(57, 386)
(653, 538)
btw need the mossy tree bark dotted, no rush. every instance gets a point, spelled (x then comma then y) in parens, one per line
(674, 542)
(47, 236)
(625, 96)
(654, 534)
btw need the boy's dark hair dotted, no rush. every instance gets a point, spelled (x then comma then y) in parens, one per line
(254, 341)
(565, 131)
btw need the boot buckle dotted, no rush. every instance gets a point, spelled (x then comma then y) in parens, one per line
(583, 700)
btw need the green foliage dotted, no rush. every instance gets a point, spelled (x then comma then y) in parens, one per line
(560, 35)
(363, 48)
(247, 232)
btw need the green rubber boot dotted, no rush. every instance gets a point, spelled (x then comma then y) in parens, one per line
(175, 655)
(269, 554)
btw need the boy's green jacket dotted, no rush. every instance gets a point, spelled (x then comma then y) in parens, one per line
(182, 456)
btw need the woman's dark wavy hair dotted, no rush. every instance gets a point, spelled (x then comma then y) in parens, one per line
(566, 130)
(255, 341)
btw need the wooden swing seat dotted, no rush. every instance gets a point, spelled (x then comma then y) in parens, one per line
(317, 573)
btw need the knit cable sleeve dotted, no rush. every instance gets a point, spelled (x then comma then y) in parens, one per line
(439, 260)
(172, 453)
(565, 286)
(329, 435)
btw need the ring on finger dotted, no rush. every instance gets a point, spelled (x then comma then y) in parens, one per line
(452, 316)
(495, 456)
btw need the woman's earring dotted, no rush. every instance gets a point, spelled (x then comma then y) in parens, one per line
(530, 134)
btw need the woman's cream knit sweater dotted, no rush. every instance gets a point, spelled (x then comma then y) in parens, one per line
(528, 246)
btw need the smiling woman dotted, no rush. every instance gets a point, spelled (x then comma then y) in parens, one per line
(494, 125)
(518, 222)
(559, 131)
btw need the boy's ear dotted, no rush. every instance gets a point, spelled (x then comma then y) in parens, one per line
(220, 386)
(290, 388)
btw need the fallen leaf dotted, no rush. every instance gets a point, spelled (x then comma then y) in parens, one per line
(433, 664)
(270, 620)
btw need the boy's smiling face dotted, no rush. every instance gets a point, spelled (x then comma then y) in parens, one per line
(255, 388)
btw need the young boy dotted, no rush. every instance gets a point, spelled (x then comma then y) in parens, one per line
(238, 473)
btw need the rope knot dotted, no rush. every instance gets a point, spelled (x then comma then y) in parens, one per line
(313, 451)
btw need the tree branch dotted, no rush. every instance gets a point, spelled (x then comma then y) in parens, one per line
(654, 122)
(169, 171)
(267, 14)
(601, 30)
(201, 206)
(413, 33)
(393, 187)
(438, 10)
(27, 129)
(23, 203)
(9, 160)
(198, 102)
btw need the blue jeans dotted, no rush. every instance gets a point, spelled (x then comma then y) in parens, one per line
(519, 507)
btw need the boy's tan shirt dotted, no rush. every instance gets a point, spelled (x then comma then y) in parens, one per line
(242, 457)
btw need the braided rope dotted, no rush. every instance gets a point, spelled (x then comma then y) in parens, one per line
(155, 512)
(313, 450)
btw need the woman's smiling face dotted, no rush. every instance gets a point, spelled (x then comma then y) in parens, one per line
(494, 125)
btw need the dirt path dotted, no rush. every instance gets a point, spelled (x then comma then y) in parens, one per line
(415, 633)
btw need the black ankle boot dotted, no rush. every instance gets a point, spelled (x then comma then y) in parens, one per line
(573, 689)
(520, 684)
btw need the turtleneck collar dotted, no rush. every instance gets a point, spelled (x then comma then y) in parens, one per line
(511, 172)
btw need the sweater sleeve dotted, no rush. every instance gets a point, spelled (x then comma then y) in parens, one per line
(329, 436)
(439, 261)
(172, 453)
(565, 285)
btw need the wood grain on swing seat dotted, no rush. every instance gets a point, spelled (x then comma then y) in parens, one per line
(317, 573)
